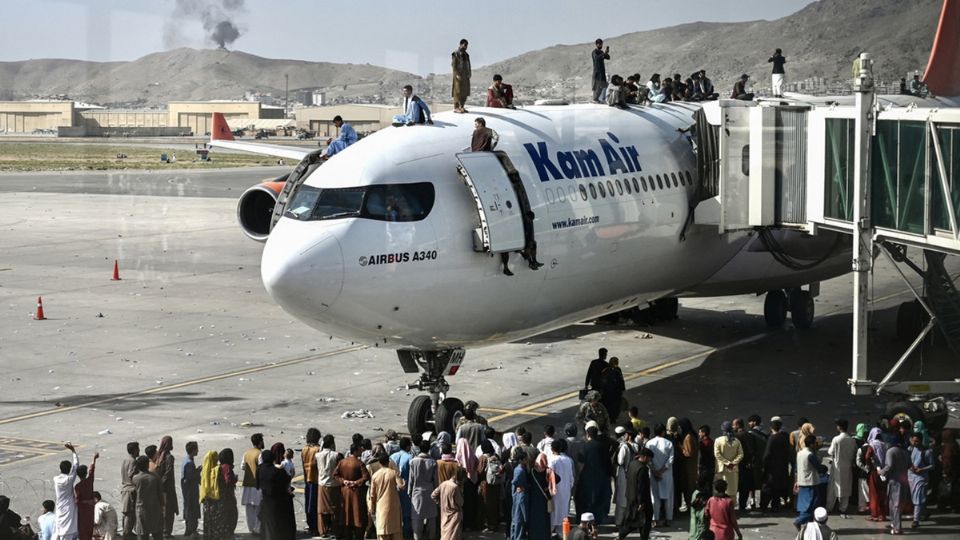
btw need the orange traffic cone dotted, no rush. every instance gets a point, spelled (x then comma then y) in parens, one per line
(39, 315)
(116, 271)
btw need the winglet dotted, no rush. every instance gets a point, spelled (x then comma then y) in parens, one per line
(221, 131)
(943, 69)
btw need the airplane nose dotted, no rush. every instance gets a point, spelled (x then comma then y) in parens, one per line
(303, 273)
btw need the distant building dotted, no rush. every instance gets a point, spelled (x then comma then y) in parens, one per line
(28, 116)
(319, 98)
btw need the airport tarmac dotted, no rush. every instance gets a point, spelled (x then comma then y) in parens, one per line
(188, 344)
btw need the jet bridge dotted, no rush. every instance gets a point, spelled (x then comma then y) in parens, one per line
(883, 169)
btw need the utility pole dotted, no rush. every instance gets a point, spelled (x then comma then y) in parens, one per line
(862, 224)
(286, 96)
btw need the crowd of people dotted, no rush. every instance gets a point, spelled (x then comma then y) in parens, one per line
(438, 485)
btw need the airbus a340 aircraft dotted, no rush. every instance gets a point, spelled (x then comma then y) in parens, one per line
(397, 241)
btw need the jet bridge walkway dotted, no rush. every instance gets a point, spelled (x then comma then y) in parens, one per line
(883, 169)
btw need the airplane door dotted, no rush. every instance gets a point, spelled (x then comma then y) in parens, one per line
(498, 204)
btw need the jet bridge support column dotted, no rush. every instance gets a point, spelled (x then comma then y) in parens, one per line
(862, 234)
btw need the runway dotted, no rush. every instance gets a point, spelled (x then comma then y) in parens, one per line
(188, 343)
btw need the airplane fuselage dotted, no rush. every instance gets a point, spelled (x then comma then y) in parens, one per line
(611, 191)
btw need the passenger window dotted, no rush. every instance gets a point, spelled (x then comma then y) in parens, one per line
(603, 192)
(573, 193)
(619, 187)
(561, 195)
(610, 187)
(583, 192)
(636, 186)
(659, 182)
(626, 184)
(674, 177)
(593, 191)
(643, 182)
(550, 196)
(689, 179)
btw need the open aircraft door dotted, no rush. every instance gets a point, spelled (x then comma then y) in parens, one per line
(499, 205)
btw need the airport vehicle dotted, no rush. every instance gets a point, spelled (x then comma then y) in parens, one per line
(402, 240)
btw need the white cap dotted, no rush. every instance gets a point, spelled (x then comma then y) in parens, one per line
(427, 435)
(590, 424)
(620, 430)
(820, 514)
(586, 517)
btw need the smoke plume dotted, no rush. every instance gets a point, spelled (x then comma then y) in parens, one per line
(216, 16)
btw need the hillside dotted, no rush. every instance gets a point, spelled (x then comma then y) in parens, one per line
(818, 41)
(189, 74)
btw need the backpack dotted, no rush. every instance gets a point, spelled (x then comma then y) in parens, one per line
(494, 471)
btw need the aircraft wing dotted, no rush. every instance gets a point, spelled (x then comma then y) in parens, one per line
(222, 137)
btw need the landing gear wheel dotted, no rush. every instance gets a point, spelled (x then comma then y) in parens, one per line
(775, 309)
(910, 320)
(448, 412)
(418, 416)
(801, 309)
(666, 308)
(906, 409)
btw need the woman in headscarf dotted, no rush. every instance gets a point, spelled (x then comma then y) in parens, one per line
(728, 454)
(210, 498)
(228, 493)
(166, 467)
(490, 472)
(543, 487)
(863, 490)
(277, 521)
(471, 498)
(874, 457)
(436, 449)
(278, 450)
(688, 457)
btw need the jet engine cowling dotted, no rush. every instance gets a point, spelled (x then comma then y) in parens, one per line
(255, 208)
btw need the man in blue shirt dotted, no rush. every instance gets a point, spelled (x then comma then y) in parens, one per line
(402, 459)
(346, 137)
(415, 110)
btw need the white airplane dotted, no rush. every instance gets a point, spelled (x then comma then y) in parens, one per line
(398, 241)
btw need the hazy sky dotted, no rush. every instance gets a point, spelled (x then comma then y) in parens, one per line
(415, 35)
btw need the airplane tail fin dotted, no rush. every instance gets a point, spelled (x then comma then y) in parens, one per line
(221, 131)
(943, 69)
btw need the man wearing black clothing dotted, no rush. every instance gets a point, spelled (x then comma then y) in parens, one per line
(594, 378)
(599, 55)
(778, 61)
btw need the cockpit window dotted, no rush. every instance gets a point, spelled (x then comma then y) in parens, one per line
(398, 202)
(394, 202)
(301, 205)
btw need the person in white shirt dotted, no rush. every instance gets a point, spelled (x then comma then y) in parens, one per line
(47, 522)
(544, 445)
(104, 519)
(662, 468)
(66, 502)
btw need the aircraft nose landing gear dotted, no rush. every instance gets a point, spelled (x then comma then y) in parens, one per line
(434, 412)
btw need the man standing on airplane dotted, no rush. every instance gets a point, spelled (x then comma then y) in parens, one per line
(346, 137)
(460, 67)
(599, 55)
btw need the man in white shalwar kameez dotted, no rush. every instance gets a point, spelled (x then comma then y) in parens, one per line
(66, 502)
(661, 466)
(627, 451)
(843, 454)
(563, 468)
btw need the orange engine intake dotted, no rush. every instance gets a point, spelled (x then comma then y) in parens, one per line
(255, 208)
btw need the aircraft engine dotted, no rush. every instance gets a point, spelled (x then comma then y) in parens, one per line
(255, 208)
